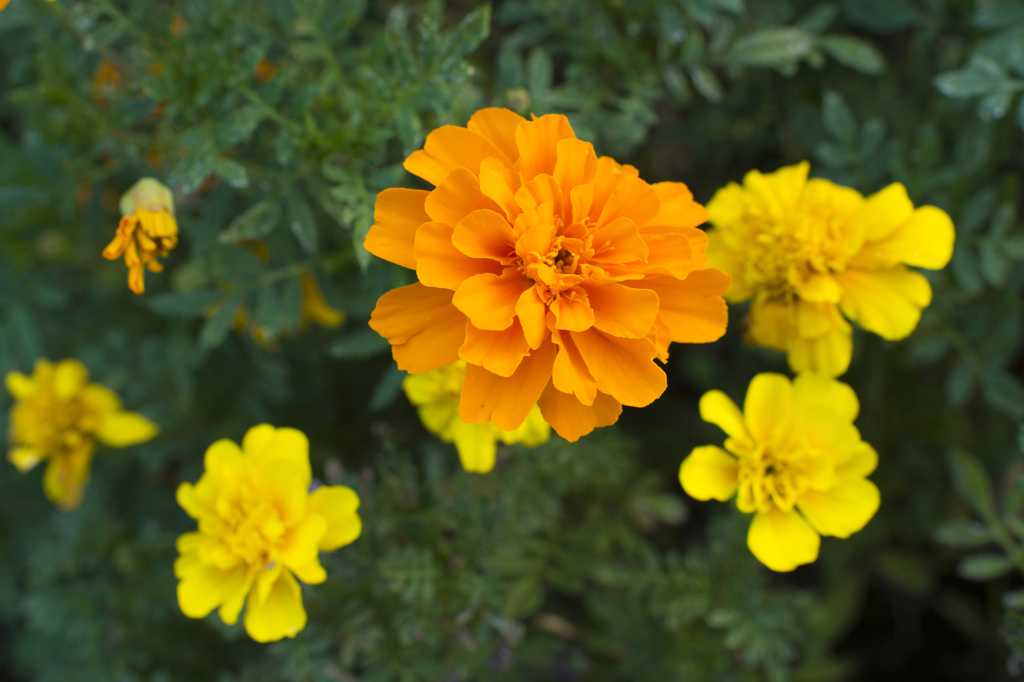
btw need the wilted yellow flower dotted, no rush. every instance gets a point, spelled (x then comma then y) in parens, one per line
(58, 416)
(147, 230)
(794, 459)
(260, 528)
(436, 395)
(804, 250)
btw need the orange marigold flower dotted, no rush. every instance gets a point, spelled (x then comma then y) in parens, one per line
(147, 230)
(556, 275)
(265, 71)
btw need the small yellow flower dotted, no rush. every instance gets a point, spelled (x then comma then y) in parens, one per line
(436, 395)
(315, 308)
(147, 230)
(794, 459)
(58, 416)
(804, 250)
(259, 529)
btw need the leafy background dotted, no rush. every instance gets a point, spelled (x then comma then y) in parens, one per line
(568, 562)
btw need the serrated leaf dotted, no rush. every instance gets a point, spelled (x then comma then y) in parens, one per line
(963, 534)
(707, 84)
(540, 72)
(972, 483)
(853, 52)
(191, 171)
(232, 172)
(256, 222)
(472, 30)
(837, 117)
(983, 567)
(184, 304)
(772, 47)
(239, 125)
(982, 76)
(301, 220)
(819, 18)
(216, 328)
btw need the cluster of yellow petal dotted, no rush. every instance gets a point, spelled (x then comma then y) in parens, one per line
(436, 395)
(58, 416)
(147, 230)
(804, 250)
(794, 459)
(260, 528)
(559, 277)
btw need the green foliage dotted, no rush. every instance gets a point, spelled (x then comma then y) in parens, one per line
(568, 562)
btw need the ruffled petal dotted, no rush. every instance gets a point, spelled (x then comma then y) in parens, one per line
(887, 302)
(571, 419)
(537, 142)
(570, 373)
(709, 472)
(717, 408)
(499, 352)
(121, 429)
(768, 408)
(693, 308)
(19, 385)
(782, 540)
(814, 390)
(576, 165)
(476, 444)
(337, 504)
(506, 401)
(622, 311)
(489, 301)
(301, 544)
(533, 432)
(279, 614)
(439, 264)
(422, 325)
(498, 126)
(925, 240)
(456, 197)
(396, 216)
(677, 207)
(623, 368)
(843, 509)
(449, 148)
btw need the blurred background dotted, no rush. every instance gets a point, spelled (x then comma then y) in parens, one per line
(276, 122)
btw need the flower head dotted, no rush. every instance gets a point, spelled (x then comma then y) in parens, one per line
(58, 416)
(804, 250)
(147, 230)
(556, 275)
(436, 396)
(260, 528)
(794, 459)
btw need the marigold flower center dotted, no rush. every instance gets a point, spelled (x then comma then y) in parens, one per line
(49, 423)
(770, 478)
(254, 531)
(785, 253)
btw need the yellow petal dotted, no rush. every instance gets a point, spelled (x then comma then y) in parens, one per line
(842, 510)
(883, 212)
(534, 431)
(69, 377)
(24, 459)
(717, 408)
(811, 389)
(768, 408)
(337, 504)
(19, 385)
(301, 543)
(66, 475)
(101, 399)
(312, 573)
(925, 240)
(709, 472)
(828, 354)
(121, 429)
(234, 593)
(265, 444)
(782, 540)
(280, 614)
(861, 462)
(203, 590)
(476, 444)
(886, 302)
(282, 484)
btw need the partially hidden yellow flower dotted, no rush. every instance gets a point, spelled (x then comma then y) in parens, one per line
(58, 416)
(260, 528)
(804, 250)
(436, 395)
(794, 459)
(147, 230)
(315, 309)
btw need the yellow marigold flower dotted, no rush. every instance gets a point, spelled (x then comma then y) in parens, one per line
(147, 230)
(436, 397)
(58, 416)
(559, 277)
(804, 250)
(260, 528)
(794, 459)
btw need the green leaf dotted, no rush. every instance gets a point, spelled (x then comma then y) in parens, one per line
(268, 316)
(707, 84)
(363, 344)
(256, 222)
(994, 266)
(301, 220)
(239, 125)
(1013, 247)
(982, 567)
(972, 483)
(540, 72)
(963, 534)
(1003, 392)
(960, 384)
(232, 172)
(216, 328)
(525, 597)
(819, 18)
(184, 304)
(1003, 220)
(965, 269)
(388, 388)
(1014, 599)
(853, 52)
(982, 76)
(677, 84)
(291, 304)
(772, 47)
(838, 118)
(473, 30)
(191, 171)
(977, 211)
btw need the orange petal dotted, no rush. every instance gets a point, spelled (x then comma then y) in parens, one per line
(490, 300)
(485, 234)
(497, 352)
(498, 126)
(540, 190)
(440, 264)
(633, 199)
(121, 240)
(571, 419)
(576, 165)
(693, 308)
(538, 144)
(678, 209)
(531, 312)
(619, 242)
(395, 218)
(506, 401)
(572, 311)
(670, 254)
(570, 373)
(423, 327)
(607, 179)
(582, 198)
(623, 311)
(448, 148)
(456, 197)
(500, 183)
(623, 368)
(137, 278)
